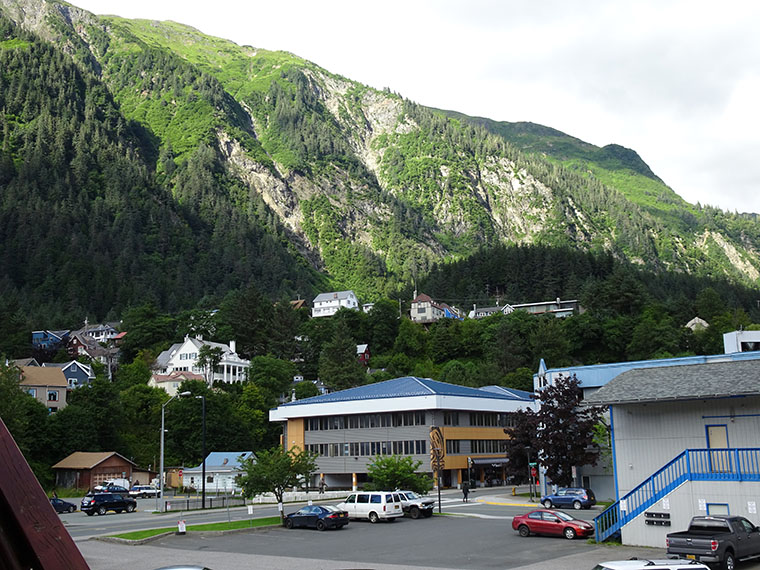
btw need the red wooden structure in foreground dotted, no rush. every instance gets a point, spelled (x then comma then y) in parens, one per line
(32, 536)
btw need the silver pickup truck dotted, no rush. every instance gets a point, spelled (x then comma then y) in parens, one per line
(716, 540)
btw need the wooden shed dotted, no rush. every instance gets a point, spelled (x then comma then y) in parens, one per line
(85, 469)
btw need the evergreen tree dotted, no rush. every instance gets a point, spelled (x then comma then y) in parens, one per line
(338, 364)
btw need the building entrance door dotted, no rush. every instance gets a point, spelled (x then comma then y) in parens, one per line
(717, 441)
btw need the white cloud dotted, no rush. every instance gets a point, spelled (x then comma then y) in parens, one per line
(676, 80)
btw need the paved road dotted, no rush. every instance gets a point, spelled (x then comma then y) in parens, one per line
(480, 538)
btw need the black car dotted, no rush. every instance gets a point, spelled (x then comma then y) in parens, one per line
(317, 516)
(102, 502)
(62, 506)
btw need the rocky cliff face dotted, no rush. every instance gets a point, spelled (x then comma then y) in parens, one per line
(374, 176)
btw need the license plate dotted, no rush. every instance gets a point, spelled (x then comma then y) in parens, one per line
(691, 556)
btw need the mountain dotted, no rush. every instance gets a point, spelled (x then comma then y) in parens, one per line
(173, 166)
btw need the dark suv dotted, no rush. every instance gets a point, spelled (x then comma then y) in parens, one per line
(575, 497)
(102, 502)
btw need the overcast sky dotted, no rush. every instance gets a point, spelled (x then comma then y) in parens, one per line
(677, 81)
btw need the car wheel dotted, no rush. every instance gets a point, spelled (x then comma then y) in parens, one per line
(547, 504)
(524, 530)
(414, 512)
(373, 518)
(728, 561)
(101, 510)
(577, 505)
(130, 508)
(72, 508)
(288, 523)
(569, 533)
(89, 513)
(321, 525)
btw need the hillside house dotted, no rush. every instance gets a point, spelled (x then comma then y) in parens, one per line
(327, 304)
(76, 373)
(47, 384)
(558, 308)
(171, 382)
(425, 310)
(362, 354)
(183, 357)
(50, 340)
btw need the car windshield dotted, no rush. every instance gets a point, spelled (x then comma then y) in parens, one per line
(411, 495)
(565, 516)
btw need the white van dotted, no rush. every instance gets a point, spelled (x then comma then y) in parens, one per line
(373, 505)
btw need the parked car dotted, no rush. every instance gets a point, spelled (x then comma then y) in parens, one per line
(102, 502)
(143, 491)
(644, 564)
(576, 497)
(320, 517)
(416, 505)
(62, 506)
(552, 523)
(373, 505)
(716, 540)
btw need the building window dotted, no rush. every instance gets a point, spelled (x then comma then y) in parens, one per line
(32, 392)
(488, 446)
(209, 478)
(451, 418)
(52, 395)
(452, 446)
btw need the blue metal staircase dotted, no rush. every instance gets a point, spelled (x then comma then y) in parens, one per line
(736, 464)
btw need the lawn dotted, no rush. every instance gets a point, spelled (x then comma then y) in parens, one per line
(141, 534)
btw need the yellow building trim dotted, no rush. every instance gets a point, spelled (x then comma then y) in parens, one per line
(296, 437)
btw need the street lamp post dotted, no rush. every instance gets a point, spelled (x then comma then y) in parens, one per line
(161, 470)
(530, 474)
(203, 450)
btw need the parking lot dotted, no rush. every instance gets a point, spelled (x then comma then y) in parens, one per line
(438, 542)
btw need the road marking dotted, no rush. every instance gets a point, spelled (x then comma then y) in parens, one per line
(494, 502)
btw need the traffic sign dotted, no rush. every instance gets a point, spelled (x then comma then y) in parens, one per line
(533, 472)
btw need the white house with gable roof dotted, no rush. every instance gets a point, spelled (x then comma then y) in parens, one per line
(183, 357)
(327, 304)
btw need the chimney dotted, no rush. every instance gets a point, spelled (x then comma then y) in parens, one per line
(232, 347)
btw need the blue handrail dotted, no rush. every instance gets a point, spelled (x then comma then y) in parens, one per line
(735, 464)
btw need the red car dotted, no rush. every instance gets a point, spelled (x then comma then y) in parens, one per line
(557, 523)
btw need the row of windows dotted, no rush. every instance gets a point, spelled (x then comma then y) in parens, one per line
(188, 355)
(52, 395)
(369, 448)
(488, 446)
(365, 421)
(492, 419)
(477, 446)
(485, 419)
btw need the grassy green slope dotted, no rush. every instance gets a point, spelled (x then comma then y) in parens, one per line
(613, 165)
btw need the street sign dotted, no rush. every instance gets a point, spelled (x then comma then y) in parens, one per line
(533, 472)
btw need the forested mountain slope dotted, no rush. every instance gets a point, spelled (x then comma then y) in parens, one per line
(170, 165)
